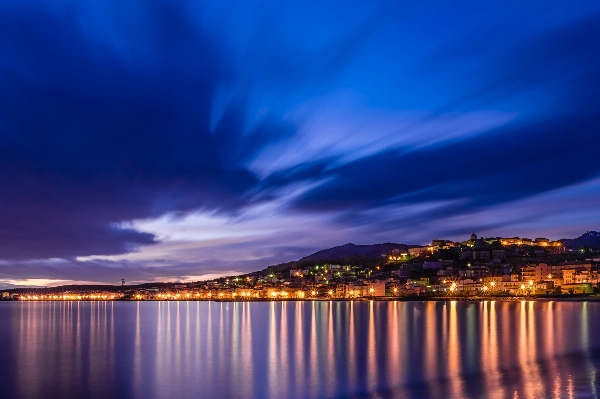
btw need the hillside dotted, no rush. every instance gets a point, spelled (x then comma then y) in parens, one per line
(352, 250)
(350, 254)
(590, 239)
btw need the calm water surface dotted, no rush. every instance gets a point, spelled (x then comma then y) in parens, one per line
(299, 350)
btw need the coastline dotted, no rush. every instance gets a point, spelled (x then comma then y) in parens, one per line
(545, 298)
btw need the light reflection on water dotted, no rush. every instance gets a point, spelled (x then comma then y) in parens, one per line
(299, 349)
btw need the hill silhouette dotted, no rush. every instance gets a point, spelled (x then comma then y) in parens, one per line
(590, 239)
(351, 250)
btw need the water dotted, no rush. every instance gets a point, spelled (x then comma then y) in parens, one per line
(299, 350)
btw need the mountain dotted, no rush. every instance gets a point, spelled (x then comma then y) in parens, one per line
(350, 250)
(591, 239)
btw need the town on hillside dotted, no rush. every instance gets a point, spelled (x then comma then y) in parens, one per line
(476, 267)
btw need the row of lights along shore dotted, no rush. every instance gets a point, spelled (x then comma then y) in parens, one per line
(177, 296)
(243, 295)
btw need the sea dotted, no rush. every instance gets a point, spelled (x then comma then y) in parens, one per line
(293, 349)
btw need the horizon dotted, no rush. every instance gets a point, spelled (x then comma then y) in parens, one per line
(171, 142)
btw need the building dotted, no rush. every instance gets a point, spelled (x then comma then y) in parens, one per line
(544, 288)
(417, 251)
(474, 273)
(433, 265)
(539, 272)
(584, 288)
(376, 288)
(401, 273)
(448, 272)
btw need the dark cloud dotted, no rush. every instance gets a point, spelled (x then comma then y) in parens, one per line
(92, 134)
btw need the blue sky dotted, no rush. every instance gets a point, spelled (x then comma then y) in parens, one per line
(161, 141)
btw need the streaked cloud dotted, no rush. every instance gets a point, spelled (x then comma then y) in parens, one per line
(169, 140)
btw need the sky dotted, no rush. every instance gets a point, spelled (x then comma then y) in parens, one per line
(183, 140)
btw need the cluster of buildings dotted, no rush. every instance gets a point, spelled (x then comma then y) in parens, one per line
(478, 266)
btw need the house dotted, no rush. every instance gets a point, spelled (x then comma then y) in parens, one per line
(416, 251)
(433, 265)
(475, 272)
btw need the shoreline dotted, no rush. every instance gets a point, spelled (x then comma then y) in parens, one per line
(545, 298)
